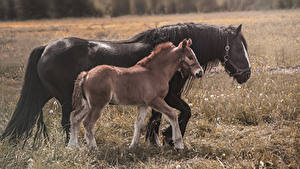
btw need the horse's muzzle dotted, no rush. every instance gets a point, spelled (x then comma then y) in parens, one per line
(242, 78)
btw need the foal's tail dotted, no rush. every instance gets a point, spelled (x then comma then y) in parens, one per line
(78, 93)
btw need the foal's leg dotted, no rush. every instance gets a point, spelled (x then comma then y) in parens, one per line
(75, 118)
(173, 99)
(73, 142)
(89, 123)
(160, 105)
(91, 119)
(142, 112)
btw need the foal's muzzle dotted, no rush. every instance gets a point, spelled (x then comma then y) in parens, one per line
(198, 73)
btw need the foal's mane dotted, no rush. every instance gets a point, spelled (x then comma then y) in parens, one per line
(159, 49)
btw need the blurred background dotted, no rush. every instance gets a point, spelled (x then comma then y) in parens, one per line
(38, 9)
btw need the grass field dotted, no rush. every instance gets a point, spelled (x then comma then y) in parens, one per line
(254, 125)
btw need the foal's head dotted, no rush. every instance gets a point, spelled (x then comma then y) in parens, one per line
(189, 60)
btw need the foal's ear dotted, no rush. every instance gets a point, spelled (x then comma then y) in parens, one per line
(189, 42)
(239, 29)
(184, 43)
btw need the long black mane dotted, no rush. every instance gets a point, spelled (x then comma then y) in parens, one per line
(208, 40)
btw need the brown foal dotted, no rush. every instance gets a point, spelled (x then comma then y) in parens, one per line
(144, 85)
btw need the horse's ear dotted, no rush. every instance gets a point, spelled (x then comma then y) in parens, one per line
(239, 29)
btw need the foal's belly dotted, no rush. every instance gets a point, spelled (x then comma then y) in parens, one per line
(135, 89)
(129, 96)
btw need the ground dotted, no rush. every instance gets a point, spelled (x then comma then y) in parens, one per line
(254, 125)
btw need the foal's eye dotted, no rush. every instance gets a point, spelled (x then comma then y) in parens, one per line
(190, 57)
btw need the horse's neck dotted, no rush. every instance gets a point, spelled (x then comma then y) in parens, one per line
(208, 49)
(208, 43)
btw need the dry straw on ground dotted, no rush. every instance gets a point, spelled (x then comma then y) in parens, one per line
(254, 125)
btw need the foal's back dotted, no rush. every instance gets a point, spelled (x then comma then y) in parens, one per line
(124, 86)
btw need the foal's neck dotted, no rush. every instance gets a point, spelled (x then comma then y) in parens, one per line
(165, 65)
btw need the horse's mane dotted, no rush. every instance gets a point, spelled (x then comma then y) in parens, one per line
(200, 33)
(174, 33)
(204, 38)
(158, 50)
(208, 40)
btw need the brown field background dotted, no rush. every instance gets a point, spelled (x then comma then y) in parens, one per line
(254, 125)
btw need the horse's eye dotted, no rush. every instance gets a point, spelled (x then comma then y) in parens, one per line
(190, 57)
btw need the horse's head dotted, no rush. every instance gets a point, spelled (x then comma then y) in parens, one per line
(235, 59)
(189, 60)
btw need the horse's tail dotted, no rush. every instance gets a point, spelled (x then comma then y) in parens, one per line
(28, 111)
(78, 93)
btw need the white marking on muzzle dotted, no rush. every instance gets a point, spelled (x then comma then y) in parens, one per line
(198, 71)
(246, 54)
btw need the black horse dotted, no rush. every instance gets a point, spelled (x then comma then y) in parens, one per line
(52, 69)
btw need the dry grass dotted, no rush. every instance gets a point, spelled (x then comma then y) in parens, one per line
(254, 125)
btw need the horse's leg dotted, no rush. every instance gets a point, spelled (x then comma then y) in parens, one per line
(160, 105)
(139, 123)
(185, 113)
(154, 122)
(173, 99)
(65, 121)
(153, 128)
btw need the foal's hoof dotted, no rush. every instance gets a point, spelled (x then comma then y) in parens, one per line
(168, 141)
(179, 147)
(73, 146)
(179, 144)
(178, 150)
(92, 147)
(153, 141)
(132, 146)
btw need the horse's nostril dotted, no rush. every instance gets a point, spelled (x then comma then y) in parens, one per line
(248, 75)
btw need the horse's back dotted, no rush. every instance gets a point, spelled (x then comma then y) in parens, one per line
(63, 59)
(96, 52)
